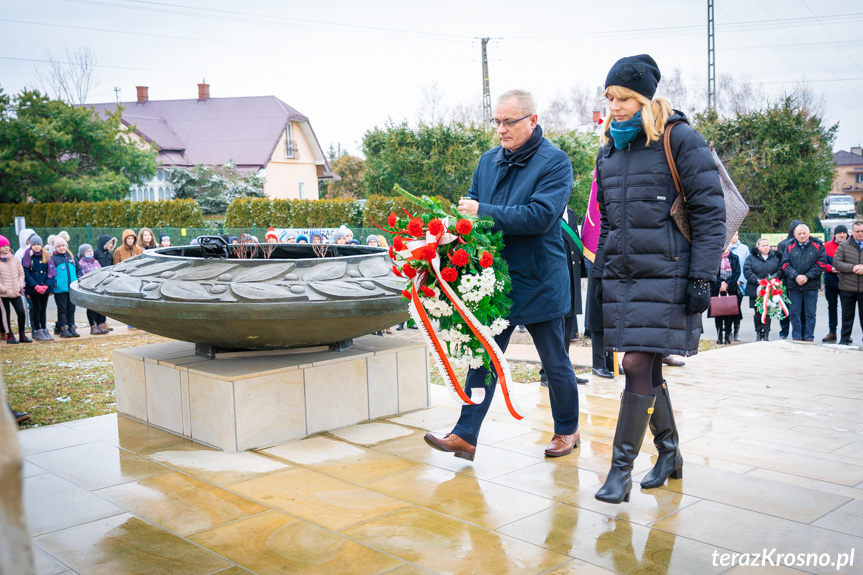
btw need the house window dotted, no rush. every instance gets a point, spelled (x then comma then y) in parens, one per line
(290, 144)
(161, 193)
(859, 178)
(302, 190)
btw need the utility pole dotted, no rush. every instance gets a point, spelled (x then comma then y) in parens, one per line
(711, 59)
(486, 92)
(117, 93)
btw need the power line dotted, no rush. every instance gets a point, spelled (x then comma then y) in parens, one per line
(840, 44)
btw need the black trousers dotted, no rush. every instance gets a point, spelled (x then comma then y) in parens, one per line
(95, 318)
(19, 310)
(65, 309)
(548, 337)
(831, 294)
(850, 300)
(40, 310)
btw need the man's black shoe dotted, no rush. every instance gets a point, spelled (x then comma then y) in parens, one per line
(581, 380)
(603, 372)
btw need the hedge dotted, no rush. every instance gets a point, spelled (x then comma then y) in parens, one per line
(246, 212)
(178, 213)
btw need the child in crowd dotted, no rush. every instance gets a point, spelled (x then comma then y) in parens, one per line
(272, 237)
(11, 288)
(146, 239)
(129, 249)
(164, 241)
(62, 270)
(38, 286)
(104, 246)
(88, 264)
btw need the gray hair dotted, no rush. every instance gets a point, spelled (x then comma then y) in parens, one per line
(857, 224)
(525, 100)
(804, 226)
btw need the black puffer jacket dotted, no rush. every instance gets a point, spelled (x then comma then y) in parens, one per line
(757, 268)
(643, 260)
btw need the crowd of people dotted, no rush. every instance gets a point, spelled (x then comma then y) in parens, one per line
(340, 236)
(799, 261)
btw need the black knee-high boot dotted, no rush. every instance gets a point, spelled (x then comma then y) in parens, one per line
(669, 463)
(632, 421)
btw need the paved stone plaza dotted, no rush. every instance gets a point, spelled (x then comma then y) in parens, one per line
(772, 436)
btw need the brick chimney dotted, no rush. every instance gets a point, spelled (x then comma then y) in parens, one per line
(597, 116)
(143, 94)
(857, 150)
(203, 92)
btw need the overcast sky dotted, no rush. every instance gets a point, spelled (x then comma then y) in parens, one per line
(351, 65)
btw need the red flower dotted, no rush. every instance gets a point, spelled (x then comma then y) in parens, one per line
(486, 260)
(409, 271)
(415, 227)
(761, 292)
(428, 291)
(763, 282)
(463, 227)
(397, 272)
(392, 219)
(777, 292)
(392, 253)
(436, 227)
(406, 294)
(449, 274)
(429, 253)
(398, 243)
(459, 257)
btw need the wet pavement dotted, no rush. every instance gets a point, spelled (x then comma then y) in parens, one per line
(772, 437)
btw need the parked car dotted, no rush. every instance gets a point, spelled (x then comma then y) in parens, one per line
(838, 206)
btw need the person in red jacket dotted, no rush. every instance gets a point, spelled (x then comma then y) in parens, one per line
(831, 282)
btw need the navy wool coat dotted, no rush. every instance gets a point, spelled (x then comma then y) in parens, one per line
(526, 202)
(643, 260)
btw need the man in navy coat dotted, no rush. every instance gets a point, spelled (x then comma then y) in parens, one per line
(523, 185)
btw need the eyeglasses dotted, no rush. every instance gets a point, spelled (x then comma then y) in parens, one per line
(508, 123)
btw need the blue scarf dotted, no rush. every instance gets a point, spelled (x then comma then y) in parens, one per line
(624, 132)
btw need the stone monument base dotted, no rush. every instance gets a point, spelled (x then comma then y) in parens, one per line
(242, 401)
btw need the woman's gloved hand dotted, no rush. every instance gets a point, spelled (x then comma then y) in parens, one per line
(697, 296)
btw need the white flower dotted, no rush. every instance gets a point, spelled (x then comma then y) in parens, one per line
(475, 363)
(498, 325)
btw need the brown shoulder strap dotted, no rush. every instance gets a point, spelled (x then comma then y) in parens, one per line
(669, 157)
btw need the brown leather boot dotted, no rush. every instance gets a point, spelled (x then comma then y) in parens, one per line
(452, 443)
(563, 444)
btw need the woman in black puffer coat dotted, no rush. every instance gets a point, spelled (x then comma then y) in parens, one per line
(654, 284)
(763, 263)
(726, 285)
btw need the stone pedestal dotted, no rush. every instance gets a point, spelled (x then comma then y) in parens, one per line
(247, 401)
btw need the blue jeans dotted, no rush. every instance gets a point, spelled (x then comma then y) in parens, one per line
(548, 337)
(804, 303)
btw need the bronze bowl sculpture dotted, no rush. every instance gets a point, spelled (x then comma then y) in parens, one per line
(254, 297)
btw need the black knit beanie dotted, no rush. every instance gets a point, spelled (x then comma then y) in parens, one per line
(638, 73)
(840, 229)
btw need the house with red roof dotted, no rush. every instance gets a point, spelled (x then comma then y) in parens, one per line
(849, 173)
(261, 134)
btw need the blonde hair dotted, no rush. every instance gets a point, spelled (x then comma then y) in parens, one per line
(654, 114)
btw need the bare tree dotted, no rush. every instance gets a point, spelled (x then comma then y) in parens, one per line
(432, 108)
(808, 99)
(467, 113)
(737, 95)
(673, 88)
(70, 80)
(556, 117)
(586, 101)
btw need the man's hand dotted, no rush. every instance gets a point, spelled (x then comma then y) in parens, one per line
(697, 297)
(468, 207)
(858, 269)
(802, 279)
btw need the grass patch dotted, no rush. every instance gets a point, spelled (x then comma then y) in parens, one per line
(67, 380)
